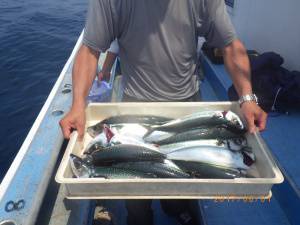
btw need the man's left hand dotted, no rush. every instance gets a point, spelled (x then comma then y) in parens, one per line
(254, 116)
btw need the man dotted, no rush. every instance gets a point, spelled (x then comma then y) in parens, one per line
(158, 40)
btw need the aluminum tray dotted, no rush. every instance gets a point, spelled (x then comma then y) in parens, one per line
(265, 167)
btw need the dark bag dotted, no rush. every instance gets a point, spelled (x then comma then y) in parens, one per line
(276, 88)
(215, 55)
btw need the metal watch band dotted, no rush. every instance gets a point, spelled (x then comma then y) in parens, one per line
(248, 98)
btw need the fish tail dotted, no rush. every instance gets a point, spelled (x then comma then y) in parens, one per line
(77, 164)
(248, 158)
(248, 150)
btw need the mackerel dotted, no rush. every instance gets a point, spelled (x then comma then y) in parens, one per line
(220, 157)
(206, 118)
(166, 169)
(231, 144)
(82, 170)
(221, 133)
(210, 171)
(124, 153)
(122, 119)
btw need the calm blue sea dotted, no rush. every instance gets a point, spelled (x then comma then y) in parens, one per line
(36, 39)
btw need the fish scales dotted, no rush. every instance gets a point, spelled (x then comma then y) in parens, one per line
(200, 134)
(125, 153)
(83, 169)
(231, 144)
(119, 173)
(210, 155)
(209, 171)
(206, 118)
(160, 169)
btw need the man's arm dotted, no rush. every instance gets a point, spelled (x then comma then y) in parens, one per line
(84, 72)
(237, 63)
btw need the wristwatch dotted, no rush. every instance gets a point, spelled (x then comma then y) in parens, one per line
(248, 98)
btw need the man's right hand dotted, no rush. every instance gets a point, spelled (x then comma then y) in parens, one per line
(75, 119)
(83, 75)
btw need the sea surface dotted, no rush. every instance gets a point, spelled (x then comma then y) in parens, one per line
(36, 39)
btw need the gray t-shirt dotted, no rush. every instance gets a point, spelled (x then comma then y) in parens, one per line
(158, 41)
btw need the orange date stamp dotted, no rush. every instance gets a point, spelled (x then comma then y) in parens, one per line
(245, 199)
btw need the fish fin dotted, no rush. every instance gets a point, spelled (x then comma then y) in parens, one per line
(108, 132)
(150, 130)
(79, 167)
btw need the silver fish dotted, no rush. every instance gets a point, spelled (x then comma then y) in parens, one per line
(213, 156)
(125, 137)
(231, 144)
(221, 133)
(124, 153)
(208, 171)
(205, 118)
(82, 170)
(122, 119)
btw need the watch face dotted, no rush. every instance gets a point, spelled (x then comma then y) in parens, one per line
(247, 98)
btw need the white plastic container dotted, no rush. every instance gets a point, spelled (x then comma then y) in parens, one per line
(265, 168)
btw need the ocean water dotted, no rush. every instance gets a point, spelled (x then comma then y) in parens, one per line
(36, 39)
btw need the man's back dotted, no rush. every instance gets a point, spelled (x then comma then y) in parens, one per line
(158, 41)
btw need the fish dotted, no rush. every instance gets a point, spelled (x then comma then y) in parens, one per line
(81, 169)
(221, 133)
(221, 157)
(115, 138)
(96, 129)
(111, 137)
(232, 144)
(97, 144)
(198, 119)
(124, 153)
(210, 171)
(166, 169)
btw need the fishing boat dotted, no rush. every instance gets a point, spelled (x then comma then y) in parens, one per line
(29, 194)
